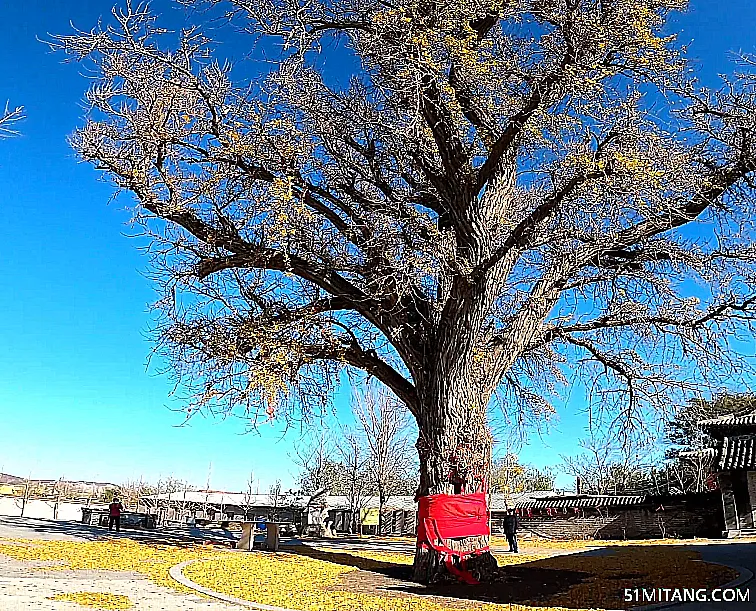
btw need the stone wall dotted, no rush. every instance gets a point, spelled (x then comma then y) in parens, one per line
(697, 519)
(695, 516)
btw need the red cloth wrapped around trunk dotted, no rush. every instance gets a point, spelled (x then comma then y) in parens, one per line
(456, 515)
(451, 516)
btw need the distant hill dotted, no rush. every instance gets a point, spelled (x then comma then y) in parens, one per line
(6, 478)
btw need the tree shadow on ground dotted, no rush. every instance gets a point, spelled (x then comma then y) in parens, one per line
(597, 578)
(389, 569)
(522, 583)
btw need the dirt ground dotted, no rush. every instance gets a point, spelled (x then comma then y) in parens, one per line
(582, 578)
(572, 576)
(516, 583)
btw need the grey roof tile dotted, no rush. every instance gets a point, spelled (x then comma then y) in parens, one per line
(730, 420)
(738, 453)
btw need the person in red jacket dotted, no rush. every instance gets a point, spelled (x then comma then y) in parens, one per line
(115, 515)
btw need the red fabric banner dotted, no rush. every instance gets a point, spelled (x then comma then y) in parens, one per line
(456, 515)
(451, 516)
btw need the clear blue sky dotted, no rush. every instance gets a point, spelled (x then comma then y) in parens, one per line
(76, 399)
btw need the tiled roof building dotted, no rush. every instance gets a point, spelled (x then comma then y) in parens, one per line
(734, 462)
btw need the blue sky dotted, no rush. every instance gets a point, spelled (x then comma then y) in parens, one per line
(76, 398)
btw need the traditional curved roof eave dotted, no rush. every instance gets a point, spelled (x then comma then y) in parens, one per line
(703, 453)
(568, 502)
(748, 419)
(738, 452)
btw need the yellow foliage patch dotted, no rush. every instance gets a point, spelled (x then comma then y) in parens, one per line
(303, 583)
(152, 561)
(633, 567)
(313, 579)
(99, 600)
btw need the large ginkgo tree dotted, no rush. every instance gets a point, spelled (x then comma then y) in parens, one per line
(457, 197)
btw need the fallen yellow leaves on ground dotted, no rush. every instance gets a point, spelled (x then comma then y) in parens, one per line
(570, 544)
(99, 600)
(311, 579)
(150, 560)
(304, 583)
(621, 567)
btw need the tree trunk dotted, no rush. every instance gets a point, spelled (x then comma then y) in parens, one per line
(381, 503)
(454, 386)
(454, 448)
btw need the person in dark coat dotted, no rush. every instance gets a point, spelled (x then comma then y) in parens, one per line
(511, 524)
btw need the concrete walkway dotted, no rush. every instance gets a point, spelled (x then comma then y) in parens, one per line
(22, 588)
(63, 530)
(730, 553)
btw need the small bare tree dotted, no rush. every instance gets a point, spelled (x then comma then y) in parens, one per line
(318, 467)
(274, 498)
(248, 497)
(25, 497)
(608, 466)
(131, 492)
(387, 431)
(355, 481)
(317, 460)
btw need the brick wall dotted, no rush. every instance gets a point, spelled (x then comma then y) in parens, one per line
(644, 522)
(696, 516)
(569, 527)
(675, 521)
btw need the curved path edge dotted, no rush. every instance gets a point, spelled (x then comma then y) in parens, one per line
(743, 578)
(176, 572)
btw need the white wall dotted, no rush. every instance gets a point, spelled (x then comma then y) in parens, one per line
(43, 510)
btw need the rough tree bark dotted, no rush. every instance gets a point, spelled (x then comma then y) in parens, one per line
(454, 447)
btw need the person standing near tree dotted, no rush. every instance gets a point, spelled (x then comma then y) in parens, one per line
(115, 514)
(511, 523)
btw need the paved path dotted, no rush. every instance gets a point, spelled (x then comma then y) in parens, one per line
(60, 530)
(731, 553)
(23, 589)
